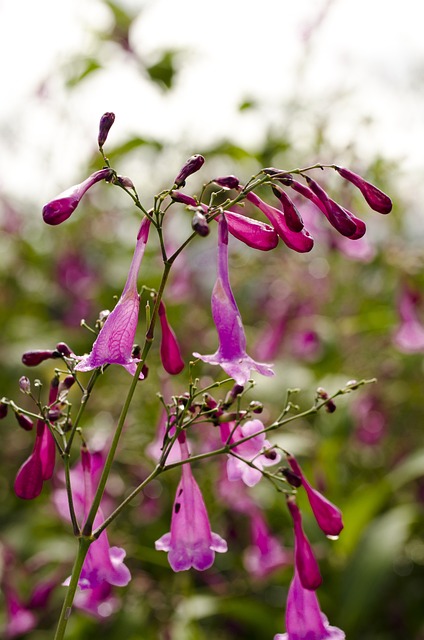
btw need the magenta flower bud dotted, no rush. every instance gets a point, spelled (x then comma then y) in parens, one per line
(192, 165)
(305, 561)
(24, 421)
(4, 407)
(178, 196)
(280, 175)
(64, 350)
(24, 384)
(199, 224)
(338, 217)
(300, 241)
(292, 215)
(33, 358)
(265, 554)
(254, 233)
(227, 182)
(169, 350)
(66, 383)
(61, 208)
(106, 121)
(327, 515)
(304, 618)
(377, 200)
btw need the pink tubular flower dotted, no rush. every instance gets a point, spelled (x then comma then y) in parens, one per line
(327, 515)
(231, 354)
(169, 350)
(61, 208)
(299, 241)
(19, 619)
(190, 543)
(265, 555)
(305, 560)
(114, 344)
(252, 450)
(409, 335)
(376, 199)
(293, 218)
(254, 233)
(304, 618)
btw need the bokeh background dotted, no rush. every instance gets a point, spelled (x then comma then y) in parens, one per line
(247, 85)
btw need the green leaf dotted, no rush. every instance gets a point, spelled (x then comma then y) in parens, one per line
(81, 69)
(164, 70)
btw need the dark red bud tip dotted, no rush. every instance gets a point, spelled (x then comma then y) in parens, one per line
(292, 477)
(32, 358)
(200, 225)
(192, 165)
(377, 200)
(228, 182)
(330, 406)
(178, 196)
(291, 214)
(256, 406)
(3, 410)
(24, 422)
(106, 121)
(64, 350)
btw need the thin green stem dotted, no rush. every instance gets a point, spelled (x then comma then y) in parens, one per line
(84, 400)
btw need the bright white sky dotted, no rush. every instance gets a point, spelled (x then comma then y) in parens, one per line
(370, 49)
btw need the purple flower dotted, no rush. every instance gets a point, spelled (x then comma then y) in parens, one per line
(327, 515)
(376, 199)
(231, 354)
(252, 450)
(299, 241)
(254, 233)
(61, 208)
(19, 619)
(409, 335)
(99, 602)
(169, 349)
(114, 344)
(304, 618)
(190, 543)
(265, 554)
(106, 121)
(293, 218)
(103, 564)
(305, 560)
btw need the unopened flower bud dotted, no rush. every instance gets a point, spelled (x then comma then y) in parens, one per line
(376, 199)
(33, 358)
(124, 181)
(291, 477)
(232, 395)
(280, 175)
(330, 406)
(178, 196)
(106, 121)
(24, 384)
(3, 410)
(256, 406)
(192, 165)
(227, 182)
(24, 421)
(291, 214)
(64, 350)
(199, 224)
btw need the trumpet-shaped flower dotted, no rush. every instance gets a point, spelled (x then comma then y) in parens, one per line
(190, 543)
(114, 344)
(266, 553)
(304, 618)
(231, 354)
(62, 207)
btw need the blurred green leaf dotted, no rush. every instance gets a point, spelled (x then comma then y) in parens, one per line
(81, 69)
(164, 70)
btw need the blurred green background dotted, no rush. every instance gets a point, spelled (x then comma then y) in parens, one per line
(334, 314)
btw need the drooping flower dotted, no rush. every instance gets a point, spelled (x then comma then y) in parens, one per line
(327, 515)
(376, 199)
(256, 450)
(102, 564)
(114, 344)
(231, 354)
(266, 554)
(305, 561)
(190, 543)
(409, 335)
(61, 208)
(169, 349)
(304, 618)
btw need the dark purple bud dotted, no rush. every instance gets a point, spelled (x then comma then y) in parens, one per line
(24, 384)
(280, 175)
(4, 407)
(24, 421)
(256, 406)
(338, 217)
(199, 224)
(64, 350)
(32, 358)
(376, 199)
(67, 383)
(54, 414)
(106, 121)
(292, 215)
(291, 477)
(330, 406)
(124, 181)
(178, 196)
(236, 390)
(227, 182)
(192, 165)
(169, 349)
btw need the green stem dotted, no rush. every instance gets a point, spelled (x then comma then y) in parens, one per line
(83, 546)
(81, 409)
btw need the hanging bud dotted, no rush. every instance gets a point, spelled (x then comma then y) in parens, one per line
(124, 181)
(199, 224)
(169, 349)
(305, 561)
(106, 121)
(291, 477)
(4, 407)
(377, 200)
(280, 175)
(178, 196)
(192, 165)
(338, 217)
(227, 182)
(33, 358)
(293, 218)
(24, 384)
(64, 350)
(24, 421)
